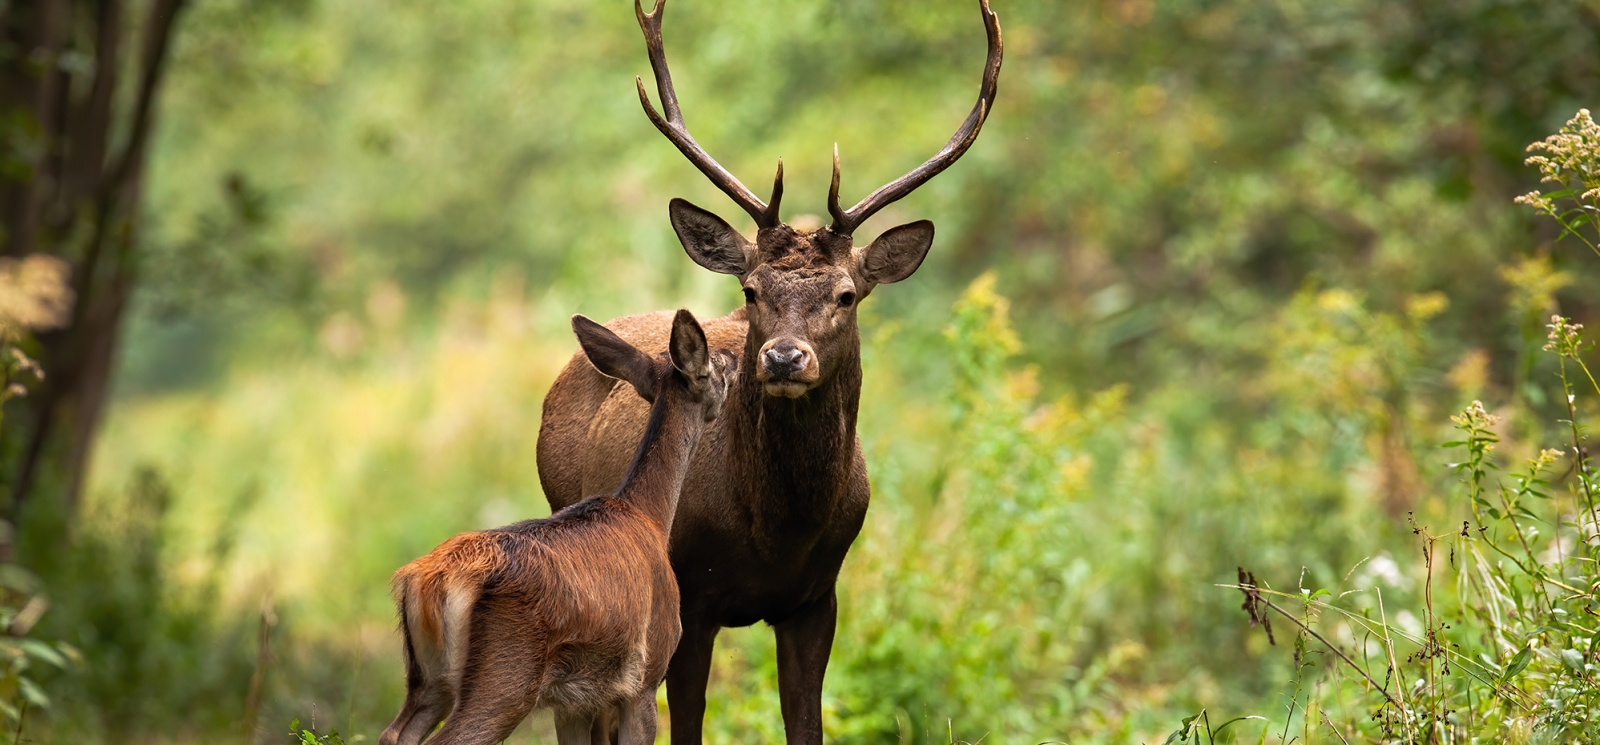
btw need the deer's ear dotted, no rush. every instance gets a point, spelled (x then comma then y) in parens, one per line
(709, 239)
(897, 253)
(688, 348)
(615, 358)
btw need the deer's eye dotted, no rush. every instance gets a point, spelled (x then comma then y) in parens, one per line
(847, 299)
(749, 295)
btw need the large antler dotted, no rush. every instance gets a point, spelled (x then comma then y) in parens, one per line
(846, 221)
(766, 216)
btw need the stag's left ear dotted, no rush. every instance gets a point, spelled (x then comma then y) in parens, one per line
(897, 252)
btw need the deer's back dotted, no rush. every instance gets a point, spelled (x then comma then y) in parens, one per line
(591, 588)
(584, 451)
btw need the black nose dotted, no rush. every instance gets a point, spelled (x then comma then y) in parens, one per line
(785, 359)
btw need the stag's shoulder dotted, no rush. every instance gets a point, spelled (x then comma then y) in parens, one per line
(649, 332)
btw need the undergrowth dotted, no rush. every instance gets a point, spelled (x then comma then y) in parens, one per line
(1506, 642)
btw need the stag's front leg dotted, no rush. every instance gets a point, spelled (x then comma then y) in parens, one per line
(804, 642)
(687, 676)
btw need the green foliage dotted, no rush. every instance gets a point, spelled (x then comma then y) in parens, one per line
(154, 645)
(22, 656)
(1505, 650)
(1205, 293)
(302, 736)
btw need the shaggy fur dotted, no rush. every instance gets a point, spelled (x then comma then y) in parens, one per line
(577, 612)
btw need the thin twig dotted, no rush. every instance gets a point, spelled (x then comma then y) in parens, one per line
(1335, 730)
(1253, 596)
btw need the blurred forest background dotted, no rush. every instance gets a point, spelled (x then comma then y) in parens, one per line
(1204, 295)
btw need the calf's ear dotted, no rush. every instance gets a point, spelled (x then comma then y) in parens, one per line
(709, 239)
(615, 358)
(689, 350)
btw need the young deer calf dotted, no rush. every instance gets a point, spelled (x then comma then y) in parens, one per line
(578, 611)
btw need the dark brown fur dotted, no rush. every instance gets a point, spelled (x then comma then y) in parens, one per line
(778, 491)
(577, 612)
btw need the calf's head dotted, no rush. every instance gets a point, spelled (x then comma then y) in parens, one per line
(702, 375)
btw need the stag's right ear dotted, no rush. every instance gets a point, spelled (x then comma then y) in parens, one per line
(709, 239)
(615, 358)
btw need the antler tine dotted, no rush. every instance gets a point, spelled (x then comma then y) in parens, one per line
(846, 221)
(673, 127)
(839, 216)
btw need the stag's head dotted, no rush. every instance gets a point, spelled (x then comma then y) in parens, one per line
(802, 287)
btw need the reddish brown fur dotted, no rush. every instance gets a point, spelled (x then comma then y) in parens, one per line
(577, 612)
(773, 501)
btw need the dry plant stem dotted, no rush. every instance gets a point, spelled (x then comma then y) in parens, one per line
(1586, 373)
(1394, 667)
(1580, 461)
(1353, 666)
(252, 706)
(1335, 730)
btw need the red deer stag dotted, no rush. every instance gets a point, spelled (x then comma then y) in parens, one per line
(775, 498)
(579, 611)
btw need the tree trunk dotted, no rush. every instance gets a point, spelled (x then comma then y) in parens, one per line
(78, 202)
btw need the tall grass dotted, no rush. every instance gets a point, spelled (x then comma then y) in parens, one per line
(1502, 643)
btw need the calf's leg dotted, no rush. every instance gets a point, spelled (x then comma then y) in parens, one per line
(500, 680)
(637, 720)
(573, 729)
(424, 708)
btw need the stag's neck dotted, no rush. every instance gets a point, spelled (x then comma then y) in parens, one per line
(801, 450)
(655, 479)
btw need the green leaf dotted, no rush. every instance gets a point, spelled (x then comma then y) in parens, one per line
(42, 651)
(13, 577)
(35, 696)
(1182, 733)
(1518, 664)
(70, 652)
(1224, 725)
(1572, 658)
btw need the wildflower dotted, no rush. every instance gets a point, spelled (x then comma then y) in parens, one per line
(1475, 416)
(1546, 457)
(1536, 200)
(1564, 337)
(23, 363)
(1570, 159)
(1567, 150)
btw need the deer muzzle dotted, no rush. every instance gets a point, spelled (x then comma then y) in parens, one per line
(788, 368)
